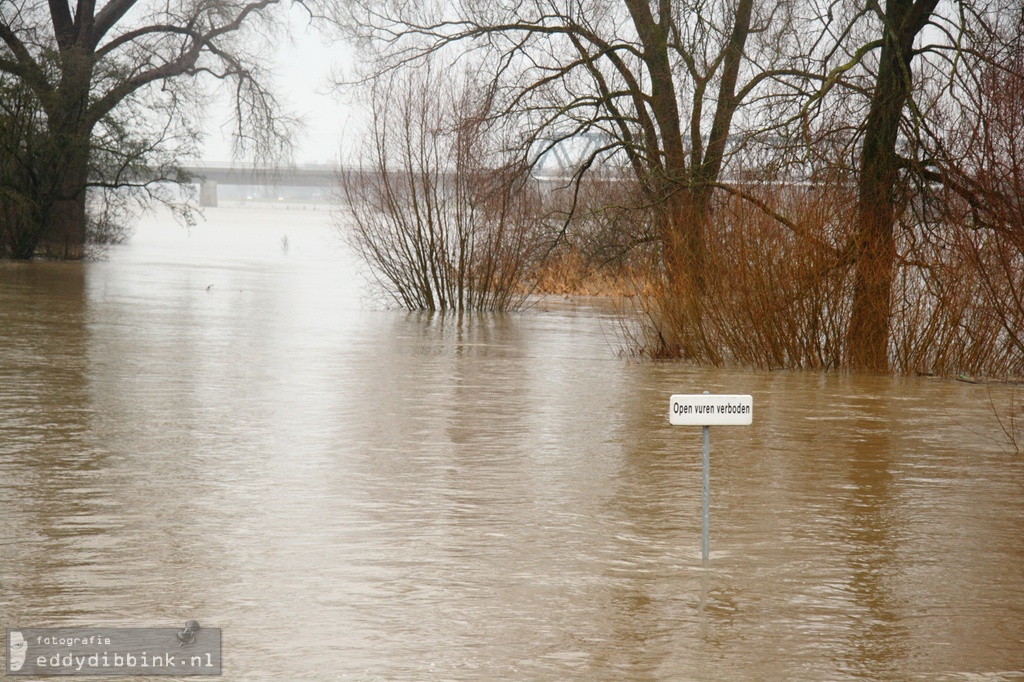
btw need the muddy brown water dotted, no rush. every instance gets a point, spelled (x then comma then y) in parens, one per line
(208, 426)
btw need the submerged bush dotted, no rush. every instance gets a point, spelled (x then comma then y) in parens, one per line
(442, 220)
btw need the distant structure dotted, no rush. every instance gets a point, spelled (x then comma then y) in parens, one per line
(265, 182)
(563, 158)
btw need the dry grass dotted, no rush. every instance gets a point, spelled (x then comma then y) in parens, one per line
(569, 273)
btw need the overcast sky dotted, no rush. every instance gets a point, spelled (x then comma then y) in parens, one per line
(305, 71)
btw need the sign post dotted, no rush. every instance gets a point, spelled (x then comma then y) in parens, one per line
(708, 410)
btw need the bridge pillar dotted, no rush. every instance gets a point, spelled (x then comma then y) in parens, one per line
(208, 194)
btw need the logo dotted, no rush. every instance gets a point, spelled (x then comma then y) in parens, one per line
(17, 647)
(192, 650)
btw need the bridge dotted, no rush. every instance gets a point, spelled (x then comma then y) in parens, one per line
(317, 176)
(210, 175)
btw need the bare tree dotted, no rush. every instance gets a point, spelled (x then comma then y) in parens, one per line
(114, 85)
(979, 164)
(710, 104)
(893, 110)
(659, 84)
(879, 183)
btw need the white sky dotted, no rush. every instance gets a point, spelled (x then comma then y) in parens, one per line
(304, 68)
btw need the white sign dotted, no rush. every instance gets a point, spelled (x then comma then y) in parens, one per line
(711, 410)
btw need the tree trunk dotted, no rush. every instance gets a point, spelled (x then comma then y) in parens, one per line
(64, 227)
(69, 129)
(682, 236)
(875, 245)
(685, 189)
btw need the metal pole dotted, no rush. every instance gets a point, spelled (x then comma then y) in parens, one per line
(706, 515)
(705, 541)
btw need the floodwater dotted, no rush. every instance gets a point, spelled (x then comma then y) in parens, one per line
(209, 426)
